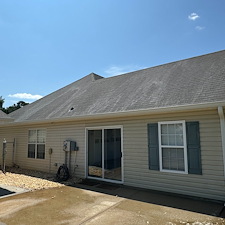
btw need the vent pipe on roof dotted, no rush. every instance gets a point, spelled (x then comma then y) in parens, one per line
(222, 127)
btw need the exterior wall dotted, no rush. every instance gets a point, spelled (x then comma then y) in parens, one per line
(136, 168)
(4, 121)
(210, 185)
(55, 135)
(135, 145)
(5, 133)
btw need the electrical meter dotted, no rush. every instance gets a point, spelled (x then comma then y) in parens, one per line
(70, 146)
(66, 146)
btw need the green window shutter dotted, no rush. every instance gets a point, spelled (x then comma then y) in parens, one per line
(153, 146)
(193, 148)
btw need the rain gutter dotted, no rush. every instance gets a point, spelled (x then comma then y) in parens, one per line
(119, 114)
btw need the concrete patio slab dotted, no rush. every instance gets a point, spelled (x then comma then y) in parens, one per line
(71, 205)
(203, 206)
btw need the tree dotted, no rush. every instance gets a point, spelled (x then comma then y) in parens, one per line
(2, 100)
(13, 107)
(21, 104)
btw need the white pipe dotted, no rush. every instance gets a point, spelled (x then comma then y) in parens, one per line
(222, 127)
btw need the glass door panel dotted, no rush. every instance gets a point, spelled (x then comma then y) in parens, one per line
(112, 154)
(95, 153)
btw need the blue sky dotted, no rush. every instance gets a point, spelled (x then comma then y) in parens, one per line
(45, 45)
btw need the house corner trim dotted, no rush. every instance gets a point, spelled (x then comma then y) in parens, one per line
(222, 127)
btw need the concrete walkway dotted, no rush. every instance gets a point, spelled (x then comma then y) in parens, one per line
(105, 204)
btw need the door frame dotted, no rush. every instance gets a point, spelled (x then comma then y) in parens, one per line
(86, 152)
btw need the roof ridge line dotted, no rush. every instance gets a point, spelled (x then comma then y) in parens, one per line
(168, 63)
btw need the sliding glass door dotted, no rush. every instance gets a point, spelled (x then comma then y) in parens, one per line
(112, 154)
(95, 153)
(105, 153)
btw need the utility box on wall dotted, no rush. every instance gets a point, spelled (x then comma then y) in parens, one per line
(70, 146)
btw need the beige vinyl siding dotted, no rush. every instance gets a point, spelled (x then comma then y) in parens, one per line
(5, 133)
(135, 146)
(4, 121)
(55, 135)
(136, 168)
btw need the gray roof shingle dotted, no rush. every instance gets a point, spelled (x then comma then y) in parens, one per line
(4, 115)
(192, 81)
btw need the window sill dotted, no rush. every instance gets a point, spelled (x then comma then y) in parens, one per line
(35, 158)
(173, 171)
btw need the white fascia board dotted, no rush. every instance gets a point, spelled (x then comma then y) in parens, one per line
(140, 112)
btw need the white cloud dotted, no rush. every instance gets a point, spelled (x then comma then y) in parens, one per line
(117, 70)
(199, 28)
(25, 96)
(12, 102)
(193, 16)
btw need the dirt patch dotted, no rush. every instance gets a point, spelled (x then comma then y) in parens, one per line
(28, 179)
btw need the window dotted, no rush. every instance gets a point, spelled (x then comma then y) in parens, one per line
(172, 146)
(36, 144)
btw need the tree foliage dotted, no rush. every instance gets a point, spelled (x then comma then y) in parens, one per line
(2, 100)
(12, 108)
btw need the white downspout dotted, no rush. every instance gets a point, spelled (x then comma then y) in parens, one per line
(222, 127)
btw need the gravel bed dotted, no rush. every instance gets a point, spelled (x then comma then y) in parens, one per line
(29, 179)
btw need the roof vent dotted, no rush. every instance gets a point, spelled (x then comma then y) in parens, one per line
(71, 109)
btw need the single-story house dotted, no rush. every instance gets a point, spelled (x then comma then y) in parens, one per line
(160, 128)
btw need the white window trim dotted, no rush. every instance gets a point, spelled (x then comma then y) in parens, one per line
(36, 143)
(86, 152)
(170, 146)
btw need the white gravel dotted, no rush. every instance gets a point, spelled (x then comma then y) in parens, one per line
(28, 179)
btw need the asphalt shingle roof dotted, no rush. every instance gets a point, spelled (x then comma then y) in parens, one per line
(187, 82)
(4, 115)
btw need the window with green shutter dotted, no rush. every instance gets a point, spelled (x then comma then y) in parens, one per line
(174, 146)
